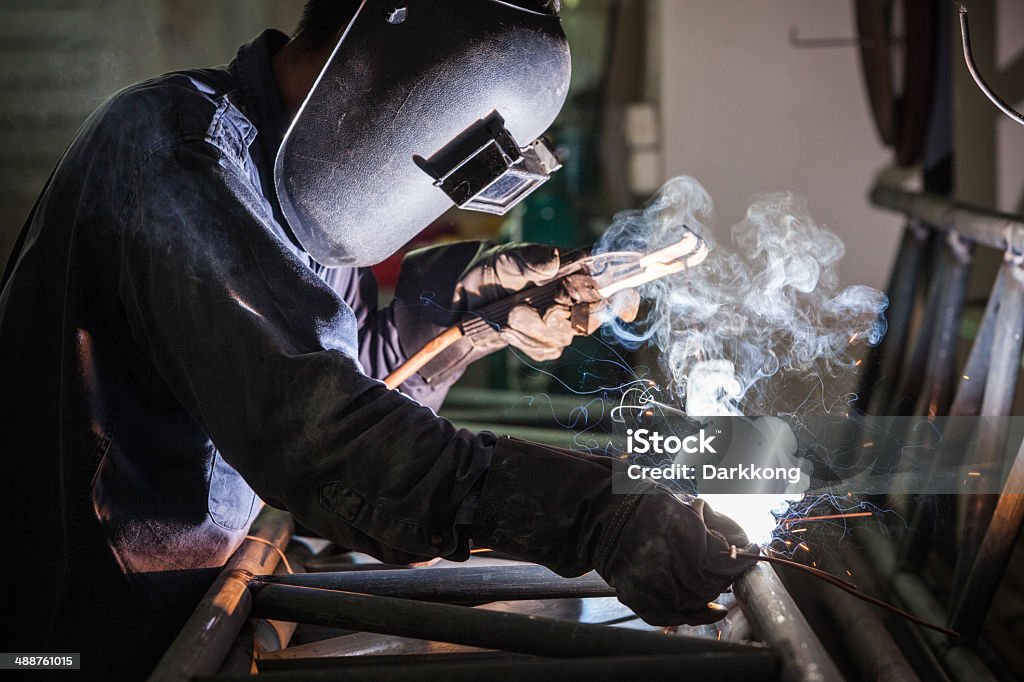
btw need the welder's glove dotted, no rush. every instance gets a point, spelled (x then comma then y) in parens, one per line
(667, 560)
(501, 271)
(438, 285)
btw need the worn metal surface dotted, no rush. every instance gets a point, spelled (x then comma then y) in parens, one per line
(886, 364)
(600, 611)
(456, 585)
(940, 371)
(207, 637)
(777, 620)
(708, 667)
(993, 555)
(473, 627)
(960, 663)
(1000, 388)
(982, 226)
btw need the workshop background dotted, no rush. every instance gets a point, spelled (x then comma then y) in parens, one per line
(748, 96)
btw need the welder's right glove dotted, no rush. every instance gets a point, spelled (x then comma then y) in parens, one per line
(667, 560)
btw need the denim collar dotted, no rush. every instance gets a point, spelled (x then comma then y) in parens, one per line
(255, 75)
(262, 105)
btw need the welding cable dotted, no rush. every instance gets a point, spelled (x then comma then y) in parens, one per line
(278, 550)
(850, 588)
(965, 34)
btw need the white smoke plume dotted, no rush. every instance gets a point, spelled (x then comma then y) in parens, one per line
(768, 301)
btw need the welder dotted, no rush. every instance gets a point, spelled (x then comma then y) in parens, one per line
(189, 329)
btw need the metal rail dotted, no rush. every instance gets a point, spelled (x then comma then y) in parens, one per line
(989, 525)
(980, 225)
(456, 585)
(472, 627)
(777, 620)
(205, 640)
(755, 666)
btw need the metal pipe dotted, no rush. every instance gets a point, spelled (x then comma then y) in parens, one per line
(603, 611)
(1000, 390)
(259, 637)
(970, 393)
(982, 226)
(207, 637)
(711, 667)
(903, 398)
(473, 627)
(456, 585)
(873, 651)
(971, 389)
(959, 662)
(939, 381)
(885, 367)
(992, 557)
(777, 620)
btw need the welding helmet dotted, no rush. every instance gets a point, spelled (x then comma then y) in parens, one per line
(423, 104)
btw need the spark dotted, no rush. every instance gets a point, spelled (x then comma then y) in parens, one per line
(803, 546)
(827, 517)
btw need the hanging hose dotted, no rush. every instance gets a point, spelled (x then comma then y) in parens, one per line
(965, 33)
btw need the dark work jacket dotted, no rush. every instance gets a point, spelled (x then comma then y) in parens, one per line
(170, 358)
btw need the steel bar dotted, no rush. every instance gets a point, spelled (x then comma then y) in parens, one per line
(959, 662)
(887, 362)
(710, 667)
(873, 651)
(907, 386)
(207, 637)
(777, 620)
(456, 585)
(1000, 389)
(971, 389)
(910, 385)
(982, 226)
(465, 625)
(966, 403)
(258, 636)
(600, 610)
(939, 378)
(992, 557)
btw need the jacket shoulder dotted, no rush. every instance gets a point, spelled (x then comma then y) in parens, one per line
(178, 107)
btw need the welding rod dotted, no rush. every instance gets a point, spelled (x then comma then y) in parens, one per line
(455, 585)
(472, 627)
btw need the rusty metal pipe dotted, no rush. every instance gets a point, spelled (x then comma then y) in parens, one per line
(207, 637)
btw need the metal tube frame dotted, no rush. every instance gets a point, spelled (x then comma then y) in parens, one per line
(204, 642)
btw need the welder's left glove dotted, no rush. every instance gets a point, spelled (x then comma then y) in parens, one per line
(666, 559)
(482, 273)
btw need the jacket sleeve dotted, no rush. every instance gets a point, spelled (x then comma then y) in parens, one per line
(263, 354)
(389, 335)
